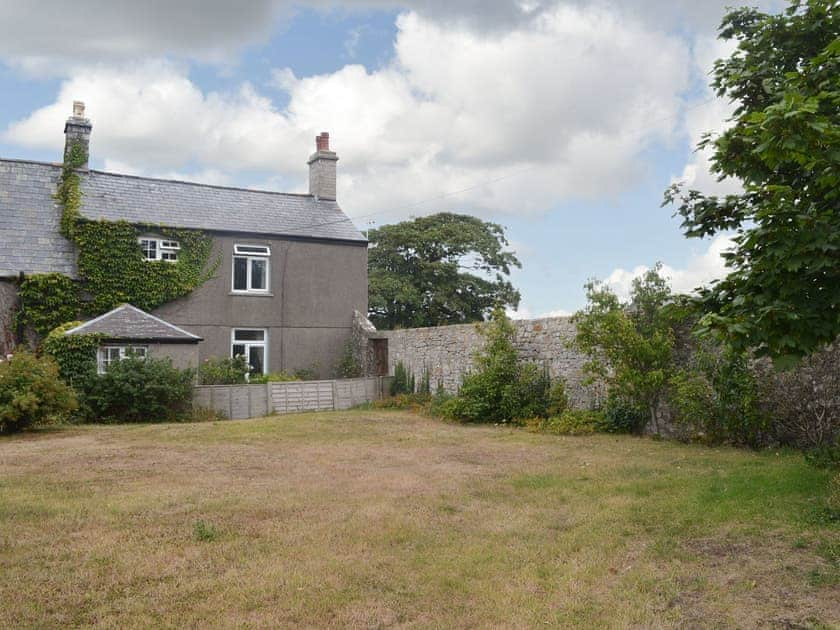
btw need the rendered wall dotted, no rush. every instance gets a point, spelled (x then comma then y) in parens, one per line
(447, 352)
(314, 288)
(183, 355)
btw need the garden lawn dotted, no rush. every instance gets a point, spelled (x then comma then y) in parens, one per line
(376, 518)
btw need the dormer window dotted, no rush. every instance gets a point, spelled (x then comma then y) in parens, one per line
(250, 268)
(159, 248)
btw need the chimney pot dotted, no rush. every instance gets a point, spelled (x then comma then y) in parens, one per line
(322, 142)
(78, 109)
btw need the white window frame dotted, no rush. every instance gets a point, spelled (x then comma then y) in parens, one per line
(263, 344)
(165, 248)
(250, 253)
(103, 361)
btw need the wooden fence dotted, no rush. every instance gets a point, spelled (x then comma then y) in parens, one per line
(253, 401)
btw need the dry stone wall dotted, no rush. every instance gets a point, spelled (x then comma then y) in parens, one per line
(447, 352)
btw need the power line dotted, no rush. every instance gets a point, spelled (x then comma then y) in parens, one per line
(489, 182)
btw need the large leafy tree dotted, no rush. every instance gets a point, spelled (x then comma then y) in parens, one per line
(440, 269)
(782, 294)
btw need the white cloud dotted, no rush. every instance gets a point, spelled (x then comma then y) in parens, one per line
(555, 110)
(700, 270)
(707, 117)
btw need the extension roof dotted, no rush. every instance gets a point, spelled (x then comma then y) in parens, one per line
(129, 323)
(29, 215)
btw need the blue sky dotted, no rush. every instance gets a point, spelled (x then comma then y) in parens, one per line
(564, 120)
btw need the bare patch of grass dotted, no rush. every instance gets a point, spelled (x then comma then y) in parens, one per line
(382, 518)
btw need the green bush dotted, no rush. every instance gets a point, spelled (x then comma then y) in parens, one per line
(558, 399)
(272, 377)
(403, 381)
(306, 374)
(570, 422)
(141, 390)
(223, 371)
(719, 395)
(348, 365)
(32, 393)
(622, 417)
(502, 388)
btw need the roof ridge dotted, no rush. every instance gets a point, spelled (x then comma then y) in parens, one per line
(25, 161)
(219, 186)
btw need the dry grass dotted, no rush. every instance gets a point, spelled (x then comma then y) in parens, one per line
(373, 519)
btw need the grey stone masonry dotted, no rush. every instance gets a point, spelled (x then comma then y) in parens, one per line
(448, 351)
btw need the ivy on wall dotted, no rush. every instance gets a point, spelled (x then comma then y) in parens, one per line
(75, 354)
(47, 300)
(112, 269)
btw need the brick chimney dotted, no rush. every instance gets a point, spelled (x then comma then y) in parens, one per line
(77, 132)
(322, 169)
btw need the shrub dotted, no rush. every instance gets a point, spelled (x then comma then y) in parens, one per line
(621, 416)
(402, 382)
(502, 388)
(558, 399)
(223, 371)
(141, 390)
(306, 374)
(571, 422)
(272, 377)
(349, 365)
(719, 395)
(32, 393)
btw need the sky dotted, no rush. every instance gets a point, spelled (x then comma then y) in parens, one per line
(563, 120)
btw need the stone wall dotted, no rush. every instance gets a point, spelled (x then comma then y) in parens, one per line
(8, 305)
(447, 352)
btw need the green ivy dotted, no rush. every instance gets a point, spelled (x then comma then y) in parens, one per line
(112, 269)
(47, 300)
(75, 354)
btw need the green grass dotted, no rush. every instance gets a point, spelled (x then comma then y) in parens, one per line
(376, 518)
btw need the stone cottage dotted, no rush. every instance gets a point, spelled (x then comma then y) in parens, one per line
(292, 268)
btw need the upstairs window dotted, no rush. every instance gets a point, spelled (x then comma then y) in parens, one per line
(250, 268)
(111, 354)
(159, 248)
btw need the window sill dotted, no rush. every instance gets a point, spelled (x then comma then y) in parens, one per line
(250, 294)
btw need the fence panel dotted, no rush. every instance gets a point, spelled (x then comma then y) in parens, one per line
(254, 401)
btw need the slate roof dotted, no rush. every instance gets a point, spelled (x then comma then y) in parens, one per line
(29, 217)
(128, 322)
(29, 221)
(187, 205)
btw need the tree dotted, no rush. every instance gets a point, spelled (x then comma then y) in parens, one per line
(630, 346)
(782, 294)
(441, 269)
